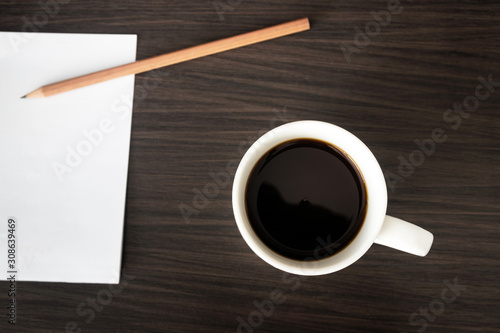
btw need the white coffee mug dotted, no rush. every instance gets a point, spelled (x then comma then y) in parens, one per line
(376, 228)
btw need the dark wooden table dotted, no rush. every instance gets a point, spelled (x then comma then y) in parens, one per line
(390, 87)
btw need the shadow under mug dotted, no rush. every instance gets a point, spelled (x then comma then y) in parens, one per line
(376, 228)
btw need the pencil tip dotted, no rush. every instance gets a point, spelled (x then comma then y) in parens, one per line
(24, 96)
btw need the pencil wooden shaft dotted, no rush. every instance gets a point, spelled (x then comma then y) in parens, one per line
(173, 58)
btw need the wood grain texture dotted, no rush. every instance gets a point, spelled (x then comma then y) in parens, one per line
(194, 120)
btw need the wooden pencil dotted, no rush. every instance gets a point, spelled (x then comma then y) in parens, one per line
(172, 58)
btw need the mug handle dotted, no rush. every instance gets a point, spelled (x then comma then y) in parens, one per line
(404, 236)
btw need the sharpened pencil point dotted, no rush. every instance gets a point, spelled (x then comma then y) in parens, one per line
(24, 96)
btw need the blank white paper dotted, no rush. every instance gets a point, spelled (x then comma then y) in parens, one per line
(64, 158)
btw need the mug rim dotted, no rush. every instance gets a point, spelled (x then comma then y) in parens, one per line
(367, 165)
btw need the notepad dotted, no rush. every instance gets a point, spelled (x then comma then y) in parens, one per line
(64, 159)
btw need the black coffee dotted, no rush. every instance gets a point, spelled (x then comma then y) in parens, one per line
(305, 199)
